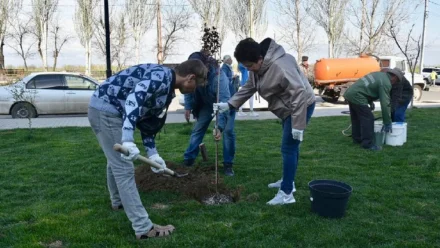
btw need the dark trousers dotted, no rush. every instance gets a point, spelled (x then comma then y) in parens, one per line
(362, 125)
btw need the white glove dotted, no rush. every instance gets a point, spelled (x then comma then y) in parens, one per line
(156, 158)
(133, 151)
(220, 107)
(297, 134)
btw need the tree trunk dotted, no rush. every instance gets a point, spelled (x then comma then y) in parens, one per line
(88, 58)
(44, 46)
(137, 40)
(55, 58)
(298, 30)
(2, 56)
(330, 47)
(159, 35)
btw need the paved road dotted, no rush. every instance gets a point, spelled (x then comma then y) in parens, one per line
(429, 99)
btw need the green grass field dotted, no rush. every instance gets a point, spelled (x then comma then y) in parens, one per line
(53, 191)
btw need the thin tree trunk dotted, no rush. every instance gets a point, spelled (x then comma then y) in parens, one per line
(2, 56)
(137, 40)
(55, 59)
(159, 35)
(363, 20)
(298, 30)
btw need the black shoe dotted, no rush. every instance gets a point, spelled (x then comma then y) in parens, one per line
(188, 162)
(375, 148)
(228, 170)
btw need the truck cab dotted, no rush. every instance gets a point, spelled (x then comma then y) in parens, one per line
(402, 64)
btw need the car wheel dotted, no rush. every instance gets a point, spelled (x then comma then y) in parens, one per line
(23, 110)
(417, 92)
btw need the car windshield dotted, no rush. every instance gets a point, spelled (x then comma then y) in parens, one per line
(427, 70)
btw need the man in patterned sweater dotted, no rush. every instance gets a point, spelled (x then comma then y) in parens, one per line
(140, 92)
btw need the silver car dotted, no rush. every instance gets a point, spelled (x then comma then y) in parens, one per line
(47, 93)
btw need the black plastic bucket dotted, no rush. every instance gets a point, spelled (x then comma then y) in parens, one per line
(329, 198)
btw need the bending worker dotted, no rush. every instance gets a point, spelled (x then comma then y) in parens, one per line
(363, 92)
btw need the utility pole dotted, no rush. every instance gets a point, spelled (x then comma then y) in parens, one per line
(108, 72)
(159, 35)
(251, 17)
(422, 52)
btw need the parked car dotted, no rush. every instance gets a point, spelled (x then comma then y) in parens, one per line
(47, 93)
(426, 72)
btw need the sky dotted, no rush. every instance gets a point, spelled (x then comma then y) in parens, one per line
(74, 54)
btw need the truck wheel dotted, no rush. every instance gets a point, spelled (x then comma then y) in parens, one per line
(417, 93)
(23, 110)
(331, 99)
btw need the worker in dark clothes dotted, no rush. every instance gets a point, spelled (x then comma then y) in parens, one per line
(401, 95)
(363, 92)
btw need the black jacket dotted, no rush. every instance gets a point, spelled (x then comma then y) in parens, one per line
(401, 93)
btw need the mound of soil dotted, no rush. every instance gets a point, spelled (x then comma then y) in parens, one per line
(199, 184)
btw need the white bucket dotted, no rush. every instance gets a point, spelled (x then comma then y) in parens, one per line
(398, 136)
(378, 126)
(405, 125)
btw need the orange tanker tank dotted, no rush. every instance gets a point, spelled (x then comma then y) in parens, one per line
(344, 70)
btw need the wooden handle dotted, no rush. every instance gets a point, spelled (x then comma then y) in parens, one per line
(123, 150)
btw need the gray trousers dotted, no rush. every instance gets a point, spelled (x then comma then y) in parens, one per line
(120, 173)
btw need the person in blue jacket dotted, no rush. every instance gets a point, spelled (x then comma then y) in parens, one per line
(200, 103)
(133, 98)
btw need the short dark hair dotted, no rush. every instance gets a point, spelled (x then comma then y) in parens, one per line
(247, 50)
(193, 66)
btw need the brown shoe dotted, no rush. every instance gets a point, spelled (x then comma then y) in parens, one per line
(157, 231)
(116, 208)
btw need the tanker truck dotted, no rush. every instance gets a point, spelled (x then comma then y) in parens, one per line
(334, 76)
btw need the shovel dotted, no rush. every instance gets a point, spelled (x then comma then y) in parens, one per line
(123, 150)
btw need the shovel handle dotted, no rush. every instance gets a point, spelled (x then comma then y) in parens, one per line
(119, 148)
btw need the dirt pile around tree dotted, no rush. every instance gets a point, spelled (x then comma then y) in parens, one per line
(199, 184)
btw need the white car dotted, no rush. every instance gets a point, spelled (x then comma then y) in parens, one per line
(47, 93)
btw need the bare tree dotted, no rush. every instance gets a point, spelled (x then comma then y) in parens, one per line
(98, 42)
(8, 9)
(120, 37)
(330, 15)
(370, 20)
(42, 12)
(84, 27)
(212, 13)
(59, 41)
(295, 26)
(241, 20)
(19, 39)
(409, 46)
(176, 20)
(140, 15)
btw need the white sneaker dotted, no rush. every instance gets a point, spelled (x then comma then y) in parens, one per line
(241, 114)
(277, 184)
(281, 198)
(252, 113)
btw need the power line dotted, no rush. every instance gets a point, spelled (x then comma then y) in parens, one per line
(434, 3)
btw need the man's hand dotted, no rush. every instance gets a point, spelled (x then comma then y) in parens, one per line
(133, 151)
(217, 134)
(387, 128)
(187, 115)
(297, 134)
(156, 158)
(220, 107)
(372, 106)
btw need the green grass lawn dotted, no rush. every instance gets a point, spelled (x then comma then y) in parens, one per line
(53, 188)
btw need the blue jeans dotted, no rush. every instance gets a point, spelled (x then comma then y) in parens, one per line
(290, 152)
(199, 130)
(399, 113)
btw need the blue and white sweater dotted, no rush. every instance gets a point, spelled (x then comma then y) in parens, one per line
(138, 91)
